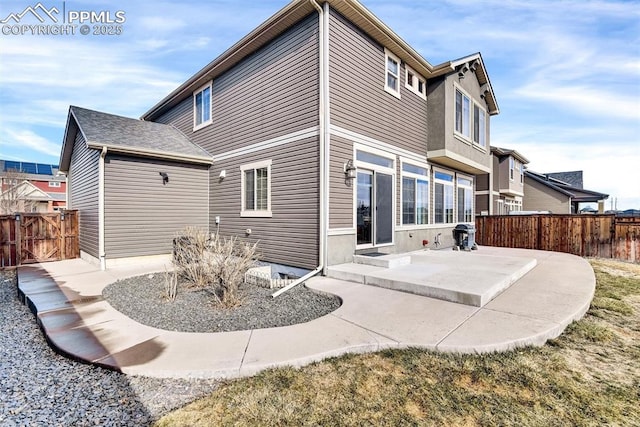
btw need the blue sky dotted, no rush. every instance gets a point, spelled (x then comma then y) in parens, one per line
(566, 73)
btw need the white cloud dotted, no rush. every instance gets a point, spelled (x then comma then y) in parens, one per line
(29, 140)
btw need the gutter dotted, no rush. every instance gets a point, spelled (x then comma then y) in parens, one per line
(323, 117)
(101, 247)
(153, 153)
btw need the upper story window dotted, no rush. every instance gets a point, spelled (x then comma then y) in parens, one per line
(415, 83)
(521, 174)
(512, 166)
(479, 126)
(202, 107)
(392, 74)
(470, 116)
(54, 184)
(256, 189)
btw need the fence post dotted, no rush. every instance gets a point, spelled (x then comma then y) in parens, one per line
(63, 239)
(18, 241)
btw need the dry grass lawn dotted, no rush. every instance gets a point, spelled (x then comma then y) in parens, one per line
(588, 376)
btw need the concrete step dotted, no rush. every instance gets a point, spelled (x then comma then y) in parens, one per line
(385, 261)
(466, 278)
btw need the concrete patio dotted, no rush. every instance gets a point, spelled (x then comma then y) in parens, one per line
(533, 296)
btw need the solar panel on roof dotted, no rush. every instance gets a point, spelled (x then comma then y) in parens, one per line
(10, 165)
(44, 169)
(29, 168)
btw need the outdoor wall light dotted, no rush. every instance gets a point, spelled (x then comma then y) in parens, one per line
(17, 217)
(349, 170)
(61, 216)
(223, 174)
(165, 178)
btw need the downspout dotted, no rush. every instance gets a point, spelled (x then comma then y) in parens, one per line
(323, 116)
(101, 250)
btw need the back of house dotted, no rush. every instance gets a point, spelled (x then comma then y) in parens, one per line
(322, 134)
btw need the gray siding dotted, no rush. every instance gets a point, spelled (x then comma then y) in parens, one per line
(142, 215)
(358, 99)
(441, 117)
(341, 191)
(290, 236)
(83, 193)
(271, 93)
(539, 197)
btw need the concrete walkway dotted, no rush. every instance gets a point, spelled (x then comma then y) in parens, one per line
(66, 298)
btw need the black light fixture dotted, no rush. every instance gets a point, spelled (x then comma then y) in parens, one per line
(17, 217)
(165, 178)
(61, 215)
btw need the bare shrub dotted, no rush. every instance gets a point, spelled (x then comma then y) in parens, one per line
(217, 265)
(230, 260)
(170, 285)
(190, 256)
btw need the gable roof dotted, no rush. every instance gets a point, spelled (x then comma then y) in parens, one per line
(508, 152)
(573, 178)
(298, 9)
(128, 136)
(576, 194)
(27, 191)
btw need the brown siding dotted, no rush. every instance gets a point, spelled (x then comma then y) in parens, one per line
(142, 215)
(291, 236)
(83, 193)
(482, 182)
(341, 191)
(358, 99)
(271, 93)
(539, 197)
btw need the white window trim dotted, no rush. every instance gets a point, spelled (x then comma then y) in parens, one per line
(195, 92)
(467, 187)
(426, 177)
(255, 213)
(512, 168)
(417, 78)
(387, 88)
(472, 103)
(452, 184)
(375, 168)
(54, 184)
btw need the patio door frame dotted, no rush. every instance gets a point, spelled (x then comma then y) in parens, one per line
(375, 170)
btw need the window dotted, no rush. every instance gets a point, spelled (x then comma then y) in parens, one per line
(256, 189)
(202, 107)
(443, 197)
(392, 74)
(521, 174)
(415, 83)
(479, 123)
(374, 159)
(54, 184)
(465, 199)
(511, 168)
(463, 120)
(415, 195)
(512, 205)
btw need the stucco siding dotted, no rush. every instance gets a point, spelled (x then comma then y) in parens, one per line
(143, 215)
(290, 236)
(359, 102)
(539, 197)
(83, 193)
(273, 92)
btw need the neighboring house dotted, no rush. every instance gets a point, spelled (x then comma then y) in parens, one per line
(502, 190)
(545, 192)
(31, 187)
(320, 134)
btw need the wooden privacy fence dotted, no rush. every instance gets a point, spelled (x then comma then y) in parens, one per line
(605, 236)
(38, 237)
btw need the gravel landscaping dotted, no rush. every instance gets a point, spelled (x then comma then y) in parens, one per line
(141, 298)
(41, 388)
